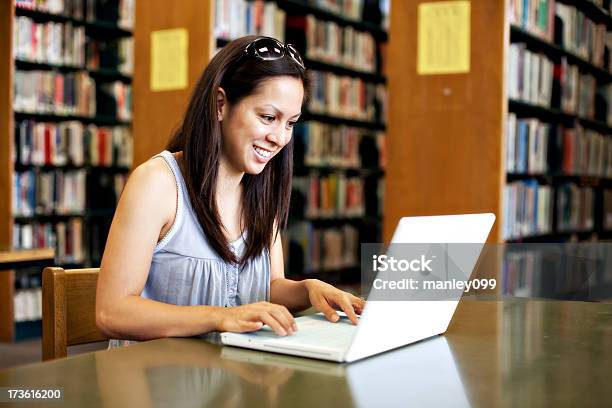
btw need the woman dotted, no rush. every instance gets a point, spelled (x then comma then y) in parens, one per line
(194, 246)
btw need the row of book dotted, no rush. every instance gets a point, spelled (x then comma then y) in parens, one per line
(573, 151)
(62, 192)
(65, 237)
(518, 270)
(49, 43)
(607, 210)
(575, 208)
(320, 144)
(352, 9)
(119, 11)
(237, 18)
(586, 153)
(346, 97)
(311, 250)
(72, 143)
(55, 93)
(530, 76)
(27, 305)
(527, 209)
(578, 90)
(328, 145)
(330, 195)
(574, 31)
(580, 35)
(564, 271)
(526, 145)
(27, 301)
(117, 54)
(50, 192)
(371, 11)
(114, 99)
(534, 16)
(332, 43)
(534, 78)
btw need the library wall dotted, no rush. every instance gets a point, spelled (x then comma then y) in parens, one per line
(157, 114)
(445, 144)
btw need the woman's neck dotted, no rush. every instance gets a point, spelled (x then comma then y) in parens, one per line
(228, 180)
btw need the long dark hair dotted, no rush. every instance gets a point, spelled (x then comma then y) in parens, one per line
(265, 196)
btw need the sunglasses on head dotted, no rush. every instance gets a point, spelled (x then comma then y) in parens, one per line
(269, 49)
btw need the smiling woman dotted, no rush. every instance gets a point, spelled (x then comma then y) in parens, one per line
(194, 245)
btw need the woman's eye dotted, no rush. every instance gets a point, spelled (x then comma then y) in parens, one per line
(290, 124)
(268, 118)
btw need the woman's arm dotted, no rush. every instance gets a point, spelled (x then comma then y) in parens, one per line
(147, 204)
(146, 208)
(300, 295)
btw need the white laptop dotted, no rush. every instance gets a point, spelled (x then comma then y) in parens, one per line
(383, 325)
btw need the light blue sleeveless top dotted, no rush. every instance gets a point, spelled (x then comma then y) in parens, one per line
(186, 270)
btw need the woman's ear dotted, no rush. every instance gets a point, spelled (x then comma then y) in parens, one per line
(221, 104)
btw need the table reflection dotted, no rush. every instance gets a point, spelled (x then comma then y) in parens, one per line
(204, 374)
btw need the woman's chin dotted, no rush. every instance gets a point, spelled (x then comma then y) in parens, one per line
(254, 168)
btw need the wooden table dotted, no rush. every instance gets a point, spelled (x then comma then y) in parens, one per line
(511, 353)
(23, 258)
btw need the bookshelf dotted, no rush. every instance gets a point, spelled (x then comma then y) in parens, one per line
(462, 124)
(66, 135)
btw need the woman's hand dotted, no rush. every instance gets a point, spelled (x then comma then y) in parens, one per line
(325, 298)
(252, 317)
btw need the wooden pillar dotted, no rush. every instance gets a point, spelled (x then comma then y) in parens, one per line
(157, 114)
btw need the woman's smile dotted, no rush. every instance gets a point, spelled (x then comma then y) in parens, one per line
(263, 154)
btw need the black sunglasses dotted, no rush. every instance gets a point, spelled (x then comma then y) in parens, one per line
(269, 49)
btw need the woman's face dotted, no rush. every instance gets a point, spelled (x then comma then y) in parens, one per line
(261, 124)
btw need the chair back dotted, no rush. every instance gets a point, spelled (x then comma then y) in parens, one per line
(69, 310)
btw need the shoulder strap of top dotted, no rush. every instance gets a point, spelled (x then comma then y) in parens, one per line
(180, 203)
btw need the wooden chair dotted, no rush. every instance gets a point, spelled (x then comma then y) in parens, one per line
(69, 310)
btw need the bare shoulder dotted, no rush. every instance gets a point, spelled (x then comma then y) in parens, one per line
(154, 174)
(151, 188)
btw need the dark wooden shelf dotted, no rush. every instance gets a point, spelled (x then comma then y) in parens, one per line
(102, 74)
(63, 217)
(594, 181)
(560, 236)
(525, 109)
(334, 120)
(293, 7)
(49, 117)
(336, 220)
(302, 169)
(93, 28)
(346, 71)
(591, 10)
(49, 167)
(555, 52)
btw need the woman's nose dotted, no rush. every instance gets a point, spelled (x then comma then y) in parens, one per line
(279, 136)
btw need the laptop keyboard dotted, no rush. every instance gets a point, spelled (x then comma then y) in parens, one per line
(316, 331)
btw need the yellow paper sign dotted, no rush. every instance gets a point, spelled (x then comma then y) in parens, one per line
(443, 38)
(169, 63)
